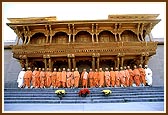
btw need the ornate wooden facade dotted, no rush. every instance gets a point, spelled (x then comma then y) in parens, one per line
(117, 41)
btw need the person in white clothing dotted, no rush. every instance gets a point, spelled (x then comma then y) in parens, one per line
(148, 76)
(20, 78)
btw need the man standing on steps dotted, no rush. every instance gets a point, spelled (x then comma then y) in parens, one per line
(136, 76)
(131, 79)
(112, 77)
(48, 77)
(54, 78)
(76, 77)
(122, 77)
(20, 79)
(27, 77)
(148, 76)
(59, 76)
(72, 79)
(142, 75)
(42, 78)
(63, 78)
(96, 78)
(35, 78)
(117, 79)
(101, 78)
(107, 77)
(90, 76)
(127, 76)
(68, 75)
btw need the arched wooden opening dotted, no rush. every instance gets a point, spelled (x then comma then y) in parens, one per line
(83, 37)
(38, 38)
(106, 36)
(60, 37)
(128, 35)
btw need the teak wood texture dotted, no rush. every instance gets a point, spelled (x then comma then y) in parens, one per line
(117, 41)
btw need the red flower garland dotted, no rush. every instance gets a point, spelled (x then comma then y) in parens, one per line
(84, 91)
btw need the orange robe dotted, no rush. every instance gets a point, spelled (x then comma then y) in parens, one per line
(112, 78)
(117, 75)
(27, 78)
(136, 77)
(54, 78)
(142, 75)
(122, 77)
(76, 78)
(42, 79)
(72, 79)
(101, 79)
(96, 79)
(36, 78)
(127, 76)
(131, 79)
(91, 80)
(107, 78)
(63, 79)
(48, 79)
(68, 82)
(59, 76)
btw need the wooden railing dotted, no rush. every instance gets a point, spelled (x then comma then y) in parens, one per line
(81, 49)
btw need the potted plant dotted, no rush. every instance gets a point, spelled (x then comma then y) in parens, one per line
(106, 92)
(60, 93)
(84, 92)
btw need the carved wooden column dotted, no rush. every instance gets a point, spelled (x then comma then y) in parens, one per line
(115, 37)
(46, 38)
(73, 38)
(50, 33)
(97, 33)
(92, 33)
(97, 38)
(69, 61)
(93, 62)
(141, 31)
(69, 40)
(73, 30)
(118, 62)
(45, 62)
(28, 39)
(92, 38)
(98, 61)
(119, 37)
(25, 39)
(69, 31)
(115, 31)
(50, 38)
(49, 62)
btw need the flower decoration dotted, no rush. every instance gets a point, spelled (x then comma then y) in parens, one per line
(84, 92)
(60, 93)
(107, 92)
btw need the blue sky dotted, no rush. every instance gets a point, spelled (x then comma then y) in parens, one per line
(81, 11)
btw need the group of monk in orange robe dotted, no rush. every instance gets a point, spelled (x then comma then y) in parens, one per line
(123, 77)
